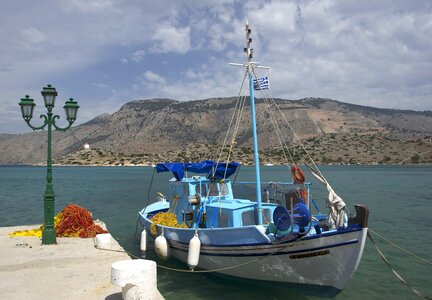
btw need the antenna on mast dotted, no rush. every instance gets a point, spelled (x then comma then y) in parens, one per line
(250, 65)
(248, 49)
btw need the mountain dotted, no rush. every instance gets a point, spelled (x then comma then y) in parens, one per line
(333, 131)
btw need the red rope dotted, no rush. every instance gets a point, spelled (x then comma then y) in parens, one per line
(77, 221)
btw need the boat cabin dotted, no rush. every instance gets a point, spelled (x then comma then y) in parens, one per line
(201, 202)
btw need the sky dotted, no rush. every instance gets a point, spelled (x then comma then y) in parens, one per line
(105, 53)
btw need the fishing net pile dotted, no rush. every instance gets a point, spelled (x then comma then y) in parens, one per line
(166, 219)
(72, 221)
(77, 222)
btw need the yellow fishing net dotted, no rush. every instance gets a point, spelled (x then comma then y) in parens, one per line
(36, 231)
(72, 221)
(166, 219)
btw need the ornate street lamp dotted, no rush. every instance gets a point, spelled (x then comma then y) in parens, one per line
(27, 104)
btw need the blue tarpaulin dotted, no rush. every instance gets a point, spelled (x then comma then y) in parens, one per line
(209, 167)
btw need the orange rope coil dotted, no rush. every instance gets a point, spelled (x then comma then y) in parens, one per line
(77, 222)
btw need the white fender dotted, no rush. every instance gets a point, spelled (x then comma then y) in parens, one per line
(161, 247)
(194, 251)
(143, 242)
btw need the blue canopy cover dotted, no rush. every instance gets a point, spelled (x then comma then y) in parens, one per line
(209, 167)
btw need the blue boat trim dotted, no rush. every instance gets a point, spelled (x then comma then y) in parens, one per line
(204, 251)
(325, 234)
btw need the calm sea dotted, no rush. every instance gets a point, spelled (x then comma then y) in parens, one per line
(399, 198)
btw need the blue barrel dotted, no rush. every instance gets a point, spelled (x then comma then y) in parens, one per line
(303, 214)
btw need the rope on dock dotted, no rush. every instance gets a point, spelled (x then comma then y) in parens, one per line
(398, 276)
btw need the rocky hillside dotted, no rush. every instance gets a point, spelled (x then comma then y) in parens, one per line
(149, 131)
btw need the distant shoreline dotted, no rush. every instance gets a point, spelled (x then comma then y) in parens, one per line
(152, 166)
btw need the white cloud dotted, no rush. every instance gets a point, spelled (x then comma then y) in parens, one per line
(349, 51)
(154, 77)
(85, 6)
(100, 85)
(33, 36)
(171, 39)
(138, 56)
(376, 54)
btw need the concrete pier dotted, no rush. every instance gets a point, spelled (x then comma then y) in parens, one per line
(71, 269)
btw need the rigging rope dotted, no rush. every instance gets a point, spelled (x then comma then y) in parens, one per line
(235, 130)
(237, 104)
(279, 133)
(398, 276)
(277, 107)
(150, 186)
(400, 248)
(270, 102)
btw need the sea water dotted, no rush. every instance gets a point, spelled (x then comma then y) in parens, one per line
(399, 199)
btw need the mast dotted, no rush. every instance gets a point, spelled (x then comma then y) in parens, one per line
(250, 67)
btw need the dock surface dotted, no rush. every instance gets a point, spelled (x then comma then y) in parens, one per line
(71, 269)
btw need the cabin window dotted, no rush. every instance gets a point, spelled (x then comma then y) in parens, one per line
(223, 188)
(201, 189)
(267, 215)
(213, 189)
(248, 218)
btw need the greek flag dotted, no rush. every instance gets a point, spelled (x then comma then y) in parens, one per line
(261, 83)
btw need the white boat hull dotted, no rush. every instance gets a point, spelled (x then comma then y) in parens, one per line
(328, 261)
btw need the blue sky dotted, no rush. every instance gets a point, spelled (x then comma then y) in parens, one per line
(105, 53)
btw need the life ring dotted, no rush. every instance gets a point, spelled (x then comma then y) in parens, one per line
(298, 175)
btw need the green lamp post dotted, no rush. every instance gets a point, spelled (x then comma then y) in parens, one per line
(49, 94)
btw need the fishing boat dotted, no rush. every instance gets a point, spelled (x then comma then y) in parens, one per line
(272, 232)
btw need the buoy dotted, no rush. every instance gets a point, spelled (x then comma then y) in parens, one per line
(194, 251)
(161, 247)
(143, 242)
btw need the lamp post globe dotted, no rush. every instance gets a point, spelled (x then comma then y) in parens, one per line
(27, 104)
(49, 94)
(71, 109)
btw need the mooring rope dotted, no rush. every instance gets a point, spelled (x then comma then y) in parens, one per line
(192, 271)
(400, 248)
(398, 276)
(204, 271)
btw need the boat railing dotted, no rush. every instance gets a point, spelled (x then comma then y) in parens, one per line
(279, 193)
